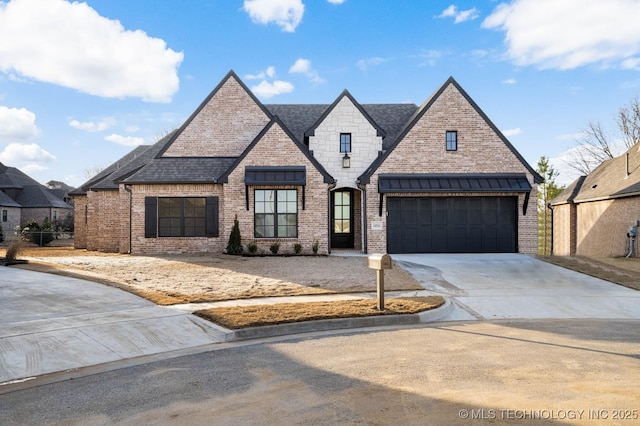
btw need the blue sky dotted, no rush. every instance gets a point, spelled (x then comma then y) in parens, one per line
(81, 84)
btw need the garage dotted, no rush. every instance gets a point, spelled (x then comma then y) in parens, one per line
(486, 222)
(452, 224)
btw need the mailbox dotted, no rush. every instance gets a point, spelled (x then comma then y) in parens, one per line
(380, 261)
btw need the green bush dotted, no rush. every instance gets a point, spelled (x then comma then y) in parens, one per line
(314, 247)
(40, 234)
(235, 240)
(252, 247)
(297, 248)
(275, 247)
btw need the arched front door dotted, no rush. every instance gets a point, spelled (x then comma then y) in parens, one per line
(342, 219)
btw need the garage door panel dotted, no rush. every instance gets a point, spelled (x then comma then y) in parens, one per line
(451, 224)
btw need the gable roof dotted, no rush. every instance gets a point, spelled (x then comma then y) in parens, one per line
(28, 192)
(110, 177)
(276, 121)
(230, 74)
(615, 178)
(366, 176)
(345, 94)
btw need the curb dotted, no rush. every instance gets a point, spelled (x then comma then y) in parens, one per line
(335, 324)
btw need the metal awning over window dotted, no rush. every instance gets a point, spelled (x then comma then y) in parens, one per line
(454, 182)
(408, 183)
(275, 175)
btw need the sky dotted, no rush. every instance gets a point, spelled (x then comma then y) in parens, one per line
(83, 83)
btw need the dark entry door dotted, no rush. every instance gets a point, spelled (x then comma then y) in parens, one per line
(342, 219)
(452, 225)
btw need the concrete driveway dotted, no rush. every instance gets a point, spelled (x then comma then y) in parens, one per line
(50, 323)
(516, 286)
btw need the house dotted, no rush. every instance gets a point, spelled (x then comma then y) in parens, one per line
(592, 216)
(22, 199)
(392, 178)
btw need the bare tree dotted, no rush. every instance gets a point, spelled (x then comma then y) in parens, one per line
(596, 145)
(92, 171)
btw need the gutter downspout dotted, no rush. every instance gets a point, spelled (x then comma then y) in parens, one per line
(365, 248)
(128, 189)
(331, 186)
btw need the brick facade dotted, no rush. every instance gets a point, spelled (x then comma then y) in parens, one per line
(232, 123)
(224, 127)
(480, 150)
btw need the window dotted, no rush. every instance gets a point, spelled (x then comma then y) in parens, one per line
(4, 215)
(452, 141)
(345, 142)
(276, 213)
(182, 217)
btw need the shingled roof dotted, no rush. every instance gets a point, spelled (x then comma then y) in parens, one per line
(615, 178)
(20, 190)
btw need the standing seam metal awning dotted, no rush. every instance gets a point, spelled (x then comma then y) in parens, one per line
(275, 175)
(454, 182)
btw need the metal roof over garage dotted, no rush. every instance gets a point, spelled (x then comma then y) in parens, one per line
(429, 183)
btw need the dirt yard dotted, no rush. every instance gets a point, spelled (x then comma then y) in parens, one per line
(174, 279)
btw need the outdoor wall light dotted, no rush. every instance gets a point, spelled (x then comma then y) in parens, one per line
(346, 161)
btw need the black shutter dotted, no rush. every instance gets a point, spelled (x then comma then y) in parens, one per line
(150, 217)
(212, 217)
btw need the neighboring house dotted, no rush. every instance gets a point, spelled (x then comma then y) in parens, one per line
(593, 215)
(369, 177)
(22, 199)
(61, 190)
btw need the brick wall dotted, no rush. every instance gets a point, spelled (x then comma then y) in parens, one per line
(142, 245)
(103, 221)
(80, 222)
(13, 220)
(602, 226)
(480, 150)
(564, 230)
(224, 127)
(277, 149)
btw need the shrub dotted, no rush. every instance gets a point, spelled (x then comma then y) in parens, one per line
(235, 240)
(1, 234)
(314, 247)
(252, 247)
(40, 234)
(275, 247)
(297, 248)
(13, 251)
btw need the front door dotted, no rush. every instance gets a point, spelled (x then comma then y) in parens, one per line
(342, 219)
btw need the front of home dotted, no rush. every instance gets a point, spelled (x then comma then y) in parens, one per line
(392, 178)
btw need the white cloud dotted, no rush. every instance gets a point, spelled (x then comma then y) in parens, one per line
(71, 45)
(509, 81)
(303, 66)
(568, 34)
(17, 125)
(430, 57)
(336, 1)
(20, 155)
(124, 140)
(287, 14)
(512, 132)
(459, 15)
(364, 64)
(269, 72)
(90, 126)
(269, 90)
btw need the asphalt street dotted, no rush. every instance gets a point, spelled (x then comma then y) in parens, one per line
(500, 372)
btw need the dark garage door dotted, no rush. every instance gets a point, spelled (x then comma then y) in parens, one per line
(452, 224)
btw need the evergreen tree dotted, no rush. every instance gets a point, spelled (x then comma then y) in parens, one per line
(1, 234)
(547, 191)
(235, 240)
